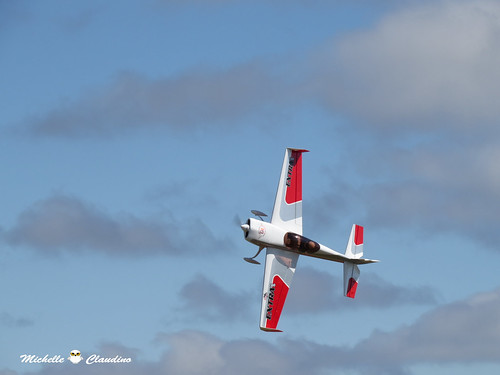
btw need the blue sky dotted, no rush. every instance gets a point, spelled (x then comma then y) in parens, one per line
(134, 135)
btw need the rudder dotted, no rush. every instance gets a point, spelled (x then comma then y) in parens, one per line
(354, 247)
(351, 278)
(354, 250)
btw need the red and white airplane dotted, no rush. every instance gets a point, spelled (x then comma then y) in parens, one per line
(284, 242)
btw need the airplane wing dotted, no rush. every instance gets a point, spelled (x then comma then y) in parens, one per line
(287, 211)
(280, 264)
(279, 270)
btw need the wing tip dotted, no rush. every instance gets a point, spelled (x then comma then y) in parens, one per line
(297, 149)
(265, 329)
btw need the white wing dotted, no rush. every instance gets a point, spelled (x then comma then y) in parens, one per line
(287, 211)
(279, 270)
(280, 264)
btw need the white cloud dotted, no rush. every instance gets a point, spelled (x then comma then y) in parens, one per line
(64, 223)
(419, 90)
(463, 332)
(438, 186)
(312, 292)
(317, 291)
(466, 331)
(203, 298)
(192, 353)
(197, 98)
(427, 65)
(460, 332)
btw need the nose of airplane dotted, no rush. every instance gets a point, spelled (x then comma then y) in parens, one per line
(245, 227)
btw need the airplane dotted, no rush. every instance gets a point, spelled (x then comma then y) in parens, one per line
(283, 239)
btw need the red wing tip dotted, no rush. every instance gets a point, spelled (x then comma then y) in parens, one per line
(270, 329)
(298, 149)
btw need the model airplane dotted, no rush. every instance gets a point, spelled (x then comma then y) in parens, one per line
(284, 242)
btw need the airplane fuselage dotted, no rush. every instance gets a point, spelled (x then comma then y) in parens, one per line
(264, 234)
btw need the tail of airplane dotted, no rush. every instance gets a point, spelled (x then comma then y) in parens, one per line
(354, 251)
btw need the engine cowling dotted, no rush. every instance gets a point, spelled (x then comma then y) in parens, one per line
(263, 233)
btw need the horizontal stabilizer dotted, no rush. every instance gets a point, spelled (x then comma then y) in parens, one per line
(363, 261)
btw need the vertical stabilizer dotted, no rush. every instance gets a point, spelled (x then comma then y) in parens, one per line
(351, 278)
(354, 250)
(354, 247)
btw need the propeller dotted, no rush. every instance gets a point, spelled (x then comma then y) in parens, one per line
(237, 220)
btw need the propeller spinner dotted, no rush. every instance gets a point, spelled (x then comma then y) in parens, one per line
(246, 227)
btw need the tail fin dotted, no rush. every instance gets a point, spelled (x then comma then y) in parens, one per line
(351, 277)
(354, 247)
(354, 250)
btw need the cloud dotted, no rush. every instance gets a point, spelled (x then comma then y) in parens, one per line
(430, 64)
(460, 332)
(113, 349)
(195, 99)
(437, 187)
(463, 332)
(427, 65)
(65, 223)
(312, 291)
(79, 20)
(180, 360)
(419, 84)
(204, 299)
(316, 291)
(10, 321)
(417, 89)
(242, 356)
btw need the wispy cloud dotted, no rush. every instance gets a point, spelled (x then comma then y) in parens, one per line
(417, 88)
(197, 98)
(62, 223)
(312, 291)
(10, 321)
(317, 291)
(462, 332)
(438, 187)
(419, 84)
(202, 298)
(430, 64)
